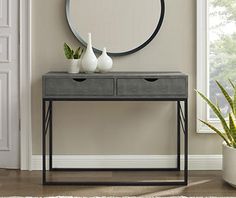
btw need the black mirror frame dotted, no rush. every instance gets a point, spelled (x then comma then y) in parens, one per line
(84, 44)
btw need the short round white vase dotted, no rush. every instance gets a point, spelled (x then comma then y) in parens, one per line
(229, 164)
(74, 66)
(89, 61)
(104, 62)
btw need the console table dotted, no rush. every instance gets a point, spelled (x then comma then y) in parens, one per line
(117, 86)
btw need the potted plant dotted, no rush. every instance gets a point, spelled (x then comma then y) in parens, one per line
(227, 133)
(74, 58)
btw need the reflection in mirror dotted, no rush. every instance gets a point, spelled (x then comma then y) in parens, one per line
(118, 25)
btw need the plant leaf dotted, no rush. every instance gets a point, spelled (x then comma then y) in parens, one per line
(234, 100)
(217, 105)
(76, 54)
(225, 93)
(232, 84)
(68, 52)
(221, 134)
(72, 53)
(81, 52)
(218, 114)
(232, 127)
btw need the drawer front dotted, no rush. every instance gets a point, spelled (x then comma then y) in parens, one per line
(170, 87)
(78, 87)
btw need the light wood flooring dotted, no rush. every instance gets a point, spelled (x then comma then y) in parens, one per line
(25, 183)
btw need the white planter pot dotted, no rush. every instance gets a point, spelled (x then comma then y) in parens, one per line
(74, 66)
(229, 164)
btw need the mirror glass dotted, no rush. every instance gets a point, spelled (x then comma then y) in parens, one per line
(118, 25)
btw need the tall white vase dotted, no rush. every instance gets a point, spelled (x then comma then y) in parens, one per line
(104, 62)
(89, 61)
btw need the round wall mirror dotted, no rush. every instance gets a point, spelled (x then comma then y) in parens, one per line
(122, 26)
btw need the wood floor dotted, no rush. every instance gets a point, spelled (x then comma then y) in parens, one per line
(24, 183)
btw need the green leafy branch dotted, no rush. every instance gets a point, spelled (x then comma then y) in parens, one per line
(229, 130)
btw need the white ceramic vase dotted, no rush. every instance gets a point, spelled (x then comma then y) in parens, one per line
(74, 66)
(229, 164)
(104, 62)
(89, 60)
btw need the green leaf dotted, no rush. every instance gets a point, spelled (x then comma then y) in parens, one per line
(234, 102)
(232, 84)
(72, 53)
(81, 52)
(76, 54)
(225, 93)
(234, 99)
(68, 52)
(221, 134)
(217, 105)
(232, 127)
(218, 114)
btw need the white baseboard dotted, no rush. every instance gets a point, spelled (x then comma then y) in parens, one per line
(196, 162)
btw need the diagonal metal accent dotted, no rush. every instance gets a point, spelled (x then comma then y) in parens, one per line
(47, 125)
(47, 114)
(48, 118)
(182, 114)
(182, 126)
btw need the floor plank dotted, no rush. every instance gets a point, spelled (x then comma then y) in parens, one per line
(25, 183)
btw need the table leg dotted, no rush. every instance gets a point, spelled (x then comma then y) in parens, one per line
(186, 142)
(50, 137)
(44, 141)
(178, 135)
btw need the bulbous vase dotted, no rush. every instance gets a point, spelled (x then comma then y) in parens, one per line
(104, 62)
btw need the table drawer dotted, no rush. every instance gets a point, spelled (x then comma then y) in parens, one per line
(170, 87)
(78, 87)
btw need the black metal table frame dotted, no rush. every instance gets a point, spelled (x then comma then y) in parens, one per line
(182, 123)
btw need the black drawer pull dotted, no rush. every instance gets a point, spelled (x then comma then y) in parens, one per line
(79, 79)
(151, 79)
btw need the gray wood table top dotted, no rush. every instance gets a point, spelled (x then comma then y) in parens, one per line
(118, 74)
